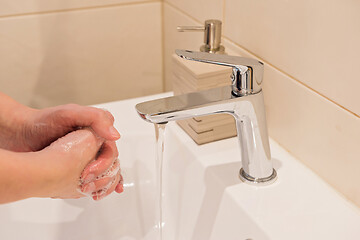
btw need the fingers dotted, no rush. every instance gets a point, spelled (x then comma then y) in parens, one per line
(104, 128)
(103, 162)
(106, 184)
(97, 185)
(100, 120)
(108, 114)
(102, 176)
(106, 191)
(103, 180)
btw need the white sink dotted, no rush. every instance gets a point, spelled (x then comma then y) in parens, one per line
(203, 196)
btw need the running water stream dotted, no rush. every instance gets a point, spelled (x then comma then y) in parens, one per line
(160, 135)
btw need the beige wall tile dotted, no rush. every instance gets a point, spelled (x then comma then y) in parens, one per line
(316, 42)
(201, 10)
(177, 40)
(318, 132)
(9, 7)
(85, 57)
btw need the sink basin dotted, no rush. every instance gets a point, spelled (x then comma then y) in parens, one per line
(203, 198)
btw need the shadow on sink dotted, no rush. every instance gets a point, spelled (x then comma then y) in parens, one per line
(196, 202)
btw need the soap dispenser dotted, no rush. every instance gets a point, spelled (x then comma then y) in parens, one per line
(188, 76)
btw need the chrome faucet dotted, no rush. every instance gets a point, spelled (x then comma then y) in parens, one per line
(243, 99)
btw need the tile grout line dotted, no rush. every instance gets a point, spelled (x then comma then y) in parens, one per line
(323, 178)
(223, 16)
(223, 21)
(76, 9)
(183, 12)
(163, 44)
(293, 78)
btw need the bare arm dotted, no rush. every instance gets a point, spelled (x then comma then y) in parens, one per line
(12, 166)
(21, 176)
(12, 118)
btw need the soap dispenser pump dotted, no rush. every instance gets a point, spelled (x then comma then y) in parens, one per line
(188, 76)
(212, 35)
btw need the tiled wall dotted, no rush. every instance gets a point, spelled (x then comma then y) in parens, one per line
(311, 52)
(60, 51)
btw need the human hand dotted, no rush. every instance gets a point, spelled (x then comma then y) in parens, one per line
(39, 128)
(100, 177)
(63, 163)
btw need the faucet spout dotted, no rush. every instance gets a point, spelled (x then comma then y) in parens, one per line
(186, 106)
(249, 114)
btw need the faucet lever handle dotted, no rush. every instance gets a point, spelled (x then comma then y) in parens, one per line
(247, 74)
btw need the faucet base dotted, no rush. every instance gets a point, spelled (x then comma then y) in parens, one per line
(257, 181)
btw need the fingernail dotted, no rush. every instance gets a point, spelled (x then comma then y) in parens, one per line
(90, 177)
(89, 188)
(114, 132)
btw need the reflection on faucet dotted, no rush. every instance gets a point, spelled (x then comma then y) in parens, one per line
(243, 100)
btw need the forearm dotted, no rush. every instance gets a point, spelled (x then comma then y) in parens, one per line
(12, 118)
(21, 176)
